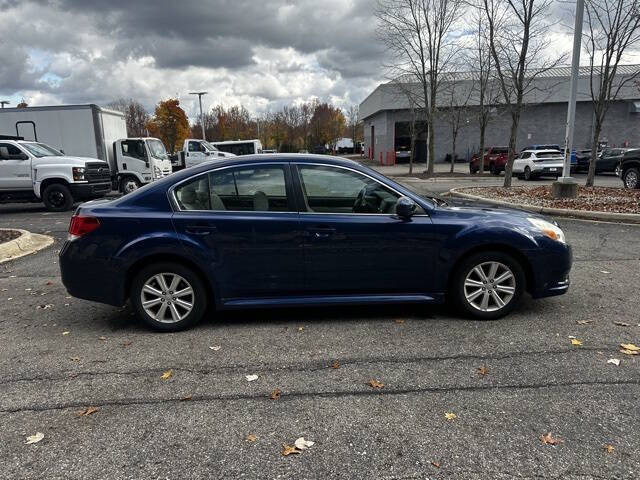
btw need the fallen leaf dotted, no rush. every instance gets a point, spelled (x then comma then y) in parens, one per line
(75, 359)
(630, 346)
(251, 438)
(167, 375)
(49, 283)
(621, 324)
(288, 450)
(604, 271)
(187, 398)
(376, 384)
(609, 448)
(614, 361)
(628, 352)
(482, 370)
(335, 365)
(548, 439)
(575, 341)
(126, 343)
(275, 394)
(66, 333)
(87, 411)
(300, 329)
(34, 438)
(450, 415)
(251, 378)
(215, 348)
(436, 464)
(102, 339)
(399, 321)
(45, 307)
(302, 444)
(583, 322)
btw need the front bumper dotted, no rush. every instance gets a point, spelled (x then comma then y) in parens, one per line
(551, 271)
(85, 191)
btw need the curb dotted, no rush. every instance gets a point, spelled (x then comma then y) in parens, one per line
(558, 212)
(25, 244)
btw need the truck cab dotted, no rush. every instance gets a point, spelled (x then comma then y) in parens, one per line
(196, 151)
(35, 172)
(138, 161)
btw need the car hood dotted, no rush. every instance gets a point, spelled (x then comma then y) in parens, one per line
(484, 211)
(67, 160)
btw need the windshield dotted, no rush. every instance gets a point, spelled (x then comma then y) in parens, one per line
(209, 147)
(157, 150)
(40, 150)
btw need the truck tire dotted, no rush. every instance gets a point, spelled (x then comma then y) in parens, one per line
(57, 198)
(129, 185)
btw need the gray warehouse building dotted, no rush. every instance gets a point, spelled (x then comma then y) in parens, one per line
(387, 116)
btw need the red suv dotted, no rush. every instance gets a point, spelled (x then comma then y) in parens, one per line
(495, 159)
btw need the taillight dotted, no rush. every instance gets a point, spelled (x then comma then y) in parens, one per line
(80, 226)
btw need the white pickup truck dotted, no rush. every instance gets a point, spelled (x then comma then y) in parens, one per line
(36, 172)
(195, 152)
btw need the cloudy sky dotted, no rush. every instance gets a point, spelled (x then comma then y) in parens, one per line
(259, 53)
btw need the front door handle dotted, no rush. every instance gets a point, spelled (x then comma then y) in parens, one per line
(322, 232)
(200, 229)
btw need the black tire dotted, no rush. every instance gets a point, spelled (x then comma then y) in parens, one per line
(457, 286)
(631, 178)
(57, 198)
(494, 170)
(199, 299)
(527, 174)
(129, 184)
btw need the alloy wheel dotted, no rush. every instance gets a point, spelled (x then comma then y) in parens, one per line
(489, 286)
(167, 297)
(130, 186)
(631, 179)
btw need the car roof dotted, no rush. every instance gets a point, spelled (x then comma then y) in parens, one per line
(546, 150)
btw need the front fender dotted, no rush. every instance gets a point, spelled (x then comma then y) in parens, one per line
(44, 172)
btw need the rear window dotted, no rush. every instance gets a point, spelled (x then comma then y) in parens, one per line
(548, 154)
(499, 150)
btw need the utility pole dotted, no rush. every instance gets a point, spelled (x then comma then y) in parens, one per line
(566, 187)
(4, 102)
(200, 94)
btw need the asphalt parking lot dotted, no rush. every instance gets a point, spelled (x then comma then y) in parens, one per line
(60, 355)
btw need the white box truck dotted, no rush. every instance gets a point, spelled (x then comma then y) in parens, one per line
(93, 132)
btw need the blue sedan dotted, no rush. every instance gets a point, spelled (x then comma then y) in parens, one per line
(293, 230)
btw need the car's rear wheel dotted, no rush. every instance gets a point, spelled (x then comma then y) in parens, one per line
(631, 178)
(494, 169)
(527, 173)
(488, 285)
(168, 296)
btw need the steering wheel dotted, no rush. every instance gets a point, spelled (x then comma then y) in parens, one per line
(362, 205)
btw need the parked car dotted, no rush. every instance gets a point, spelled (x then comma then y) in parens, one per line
(550, 146)
(36, 172)
(583, 157)
(610, 159)
(532, 164)
(495, 160)
(630, 169)
(304, 230)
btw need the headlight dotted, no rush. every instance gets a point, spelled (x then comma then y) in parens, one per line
(78, 173)
(549, 229)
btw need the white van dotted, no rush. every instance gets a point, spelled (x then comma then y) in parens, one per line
(240, 147)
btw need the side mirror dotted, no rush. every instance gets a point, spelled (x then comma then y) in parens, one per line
(62, 151)
(405, 207)
(24, 156)
(207, 153)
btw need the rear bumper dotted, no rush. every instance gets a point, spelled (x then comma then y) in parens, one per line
(84, 191)
(89, 277)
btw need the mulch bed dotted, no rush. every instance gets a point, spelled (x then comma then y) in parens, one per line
(598, 199)
(7, 235)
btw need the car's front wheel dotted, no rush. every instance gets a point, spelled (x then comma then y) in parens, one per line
(57, 198)
(488, 285)
(631, 178)
(168, 296)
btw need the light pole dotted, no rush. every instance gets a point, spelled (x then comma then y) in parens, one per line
(566, 187)
(4, 102)
(200, 94)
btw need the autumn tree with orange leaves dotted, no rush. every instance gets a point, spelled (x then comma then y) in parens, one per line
(169, 124)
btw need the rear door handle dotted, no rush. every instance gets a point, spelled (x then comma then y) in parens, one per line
(322, 232)
(200, 229)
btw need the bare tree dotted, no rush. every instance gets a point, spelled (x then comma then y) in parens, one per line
(458, 96)
(480, 63)
(418, 36)
(613, 27)
(517, 33)
(135, 115)
(353, 119)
